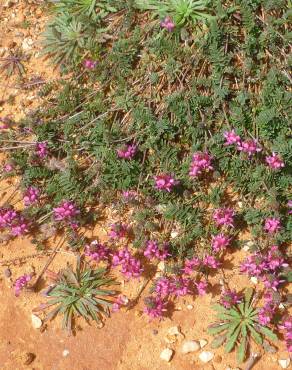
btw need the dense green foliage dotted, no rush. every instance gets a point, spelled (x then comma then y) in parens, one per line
(171, 94)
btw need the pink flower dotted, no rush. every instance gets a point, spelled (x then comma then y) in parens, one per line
(274, 161)
(41, 149)
(202, 287)
(168, 24)
(97, 252)
(272, 225)
(211, 262)
(14, 221)
(31, 196)
(8, 168)
(89, 63)
(200, 162)
(19, 227)
(286, 326)
(165, 182)
(130, 195)
(130, 266)
(266, 314)
(20, 283)
(120, 301)
(249, 146)
(181, 286)
(155, 307)
(127, 151)
(118, 231)
(220, 242)
(66, 211)
(163, 286)
(231, 137)
(224, 216)
(191, 265)
(154, 251)
(229, 298)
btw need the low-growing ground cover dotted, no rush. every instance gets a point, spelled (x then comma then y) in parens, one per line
(176, 113)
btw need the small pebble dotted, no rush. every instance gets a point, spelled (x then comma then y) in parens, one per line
(65, 353)
(36, 321)
(155, 332)
(254, 280)
(174, 330)
(203, 342)
(7, 273)
(190, 307)
(284, 363)
(28, 358)
(206, 356)
(190, 346)
(166, 354)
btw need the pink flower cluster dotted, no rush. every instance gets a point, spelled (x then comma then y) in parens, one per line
(130, 266)
(20, 283)
(41, 149)
(127, 151)
(265, 266)
(165, 182)
(118, 231)
(195, 264)
(13, 221)
(275, 162)
(97, 251)
(66, 211)
(168, 24)
(220, 242)
(229, 298)
(155, 306)
(224, 217)
(8, 168)
(251, 147)
(31, 196)
(152, 251)
(201, 162)
(286, 326)
(89, 63)
(272, 225)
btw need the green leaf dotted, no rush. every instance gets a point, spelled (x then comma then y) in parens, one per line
(232, 340)
(241, 350)
(217, 328)
(248, 294)
(267, 332)
(256, 336)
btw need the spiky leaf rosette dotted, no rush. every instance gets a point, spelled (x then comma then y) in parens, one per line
(238, 326)
(83, 292)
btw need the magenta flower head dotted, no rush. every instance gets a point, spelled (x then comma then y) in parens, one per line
(231, 137)
(211, 262)
(266, 314)
(181, 286)
(202, 287)
(165, 182)
(8, 168)
(118, 231)
(97, 251)
(201, 162)
(66, 211)
(120, 301)
(275, 162)
(31, 196)
(130, 266)
(41, 149)
(152, 250)
(20, 283)
(127, 151)
(249, 146)
(155, 306)
(286, 327)
(89, 63)
(13, 221)
(224, 217)
(230, 298)
(272, 225)
(163, 286)
(191, 265)
(168, 24)
(220, 242)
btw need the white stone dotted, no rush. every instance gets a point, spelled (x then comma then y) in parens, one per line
(254, 280)
(166, 354)
(161, 266)
(65, 353)
(174, 234)
(203, 342)
(206, 356)
(281, 306)
(190, 307)
(284, 363)
(240, 204)
(190, 346)
(27, 44)
(36, 321)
